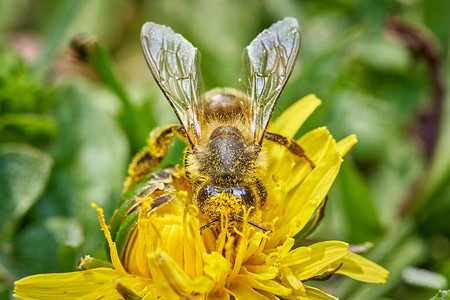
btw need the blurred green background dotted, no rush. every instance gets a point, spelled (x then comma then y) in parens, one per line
(70, 121)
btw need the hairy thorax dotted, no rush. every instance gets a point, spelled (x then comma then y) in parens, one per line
(227, 163)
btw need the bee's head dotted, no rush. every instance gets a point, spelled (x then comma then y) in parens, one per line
(215, 201)
(212, 198)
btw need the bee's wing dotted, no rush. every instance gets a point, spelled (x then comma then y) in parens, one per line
(268, 62)
(174, 63)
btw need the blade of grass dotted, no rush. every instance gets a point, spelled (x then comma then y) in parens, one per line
(399, 249)
(410, 252)
(362, 217)
(310, 67)
(63, 17)
(133, 120)
(102, 63)
(442, 295)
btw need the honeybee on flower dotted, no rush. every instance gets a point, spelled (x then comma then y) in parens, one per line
(225, 161)
(228, 223)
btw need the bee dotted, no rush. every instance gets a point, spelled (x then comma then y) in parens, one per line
(225, 161)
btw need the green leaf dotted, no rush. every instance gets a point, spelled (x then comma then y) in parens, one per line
(442, 295)
(436, 18)
(20, 90)
(24, 172)
(363, 223)
(91, 155)
(37, 247)
(124, 231)
(5, 291)
(67, 255)
(28, 128)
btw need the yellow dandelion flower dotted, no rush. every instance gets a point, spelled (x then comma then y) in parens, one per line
(160, 253)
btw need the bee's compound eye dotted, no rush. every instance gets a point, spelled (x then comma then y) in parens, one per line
(205, 193)
(246, 194)
(242, 192)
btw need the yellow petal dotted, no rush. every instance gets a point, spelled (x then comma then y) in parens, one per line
(216, 267)
(316, 294)
(292, 281)
(261, 272)
(270, 286)
(269, 296)
(151, 296)
(174, 229)
(344, 145)
(287, 124)
(281, 251)
(129, 288)
(286, 247)
(242, 291)
(322, 255)
(309, 195)
(296, 256)
(94, 284)
(135, 257)
(221, 294)
(112, 246)
(290, 121)
(193, 245)
(317, 144)
(242, 247)
(255, 244)
(362, 269)
(171, 281)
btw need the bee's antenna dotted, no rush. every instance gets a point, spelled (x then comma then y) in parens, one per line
(208, 225)
(250, 222)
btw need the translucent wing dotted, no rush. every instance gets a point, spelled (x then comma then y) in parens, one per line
(268, 63)
(174, 63)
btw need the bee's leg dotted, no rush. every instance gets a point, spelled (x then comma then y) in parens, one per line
(161, 200)
(290, 144)
(151, 156)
